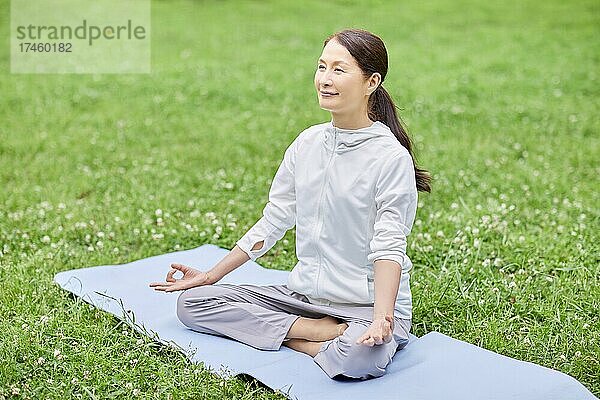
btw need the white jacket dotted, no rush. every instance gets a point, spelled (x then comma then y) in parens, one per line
(352, 196)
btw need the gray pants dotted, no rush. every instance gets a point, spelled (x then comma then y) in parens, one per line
(261, 316)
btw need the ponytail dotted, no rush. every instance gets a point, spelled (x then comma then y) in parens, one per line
(382, 108)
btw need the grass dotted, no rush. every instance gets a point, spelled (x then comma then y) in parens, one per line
(502, 102)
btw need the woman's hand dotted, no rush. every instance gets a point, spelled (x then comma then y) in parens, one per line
(191, 278)
(379, 332)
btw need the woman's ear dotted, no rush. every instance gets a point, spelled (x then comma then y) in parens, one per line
(374, 82)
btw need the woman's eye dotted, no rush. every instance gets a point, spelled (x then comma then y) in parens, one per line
(337, 69)
(321, 66)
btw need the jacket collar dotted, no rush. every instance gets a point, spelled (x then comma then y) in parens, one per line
(349, 139)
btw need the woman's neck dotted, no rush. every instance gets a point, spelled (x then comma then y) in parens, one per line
(351, 122)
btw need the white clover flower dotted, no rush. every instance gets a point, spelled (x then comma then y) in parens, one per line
(158, 212)
(41, 360)
(454, 206)
(46, 239)
(476, 243)
(440, 234)
(56, 353)
(100, 234)
(486, 262)
(157, 236)
(475, 231)
(231, 202)
(90, 248)
(191, 203)
(195, 214)
(498, 262)
(219, 229)
(159, 221)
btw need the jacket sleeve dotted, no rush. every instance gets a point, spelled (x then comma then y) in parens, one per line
(279, 214)
(396, 205)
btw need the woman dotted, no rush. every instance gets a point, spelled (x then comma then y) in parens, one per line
(350, 188)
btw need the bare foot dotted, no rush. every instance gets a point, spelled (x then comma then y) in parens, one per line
(316, 330)
(304, 346)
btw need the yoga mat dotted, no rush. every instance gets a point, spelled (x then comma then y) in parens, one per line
(434, 366)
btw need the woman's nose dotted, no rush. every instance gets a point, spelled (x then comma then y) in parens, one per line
(325, 79)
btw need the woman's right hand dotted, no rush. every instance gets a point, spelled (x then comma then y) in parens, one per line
(191, 278)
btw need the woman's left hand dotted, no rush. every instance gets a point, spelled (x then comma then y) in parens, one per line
(379, 332)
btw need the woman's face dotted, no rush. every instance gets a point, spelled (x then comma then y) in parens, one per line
(339, 74)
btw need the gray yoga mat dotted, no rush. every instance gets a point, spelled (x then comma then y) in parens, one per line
(432, 367)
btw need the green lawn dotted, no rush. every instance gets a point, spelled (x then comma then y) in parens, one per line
(502, 102)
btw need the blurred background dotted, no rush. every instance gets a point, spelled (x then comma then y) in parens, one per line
(500, 98)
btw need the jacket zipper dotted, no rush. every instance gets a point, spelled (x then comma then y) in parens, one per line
(319, 222)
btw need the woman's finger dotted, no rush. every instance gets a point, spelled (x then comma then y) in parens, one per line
(153, 284)
(170, 275)
(369, 342)
(179, 267)
(364, 337)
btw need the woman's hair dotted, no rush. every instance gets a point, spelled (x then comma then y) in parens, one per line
(369, 52)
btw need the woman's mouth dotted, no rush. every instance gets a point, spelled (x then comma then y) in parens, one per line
(328, 94)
